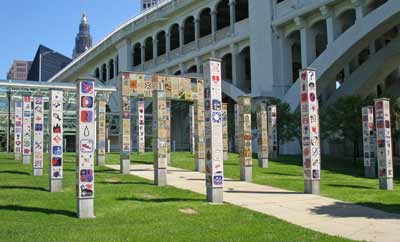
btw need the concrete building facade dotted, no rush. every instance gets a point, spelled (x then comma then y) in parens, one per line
(19, 70)
(353, 44)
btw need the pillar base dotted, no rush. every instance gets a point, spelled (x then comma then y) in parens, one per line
(26, 159)
(125, 166)
(215, 195)
(85, 208)
(385, 183)
(246, 173)
(311, 187)
(370, 171)
(226, 155)
(263, 163)
(17, 156)
(55, 185)
(101, 160)
(37, 172)
(160, 177)
(200, 165)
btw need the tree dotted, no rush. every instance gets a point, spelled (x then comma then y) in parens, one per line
(288, 122)
(342, 121)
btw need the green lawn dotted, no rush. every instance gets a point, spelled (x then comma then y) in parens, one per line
(340, 179)
(127, 209)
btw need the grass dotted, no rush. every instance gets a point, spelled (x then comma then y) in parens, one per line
(340, 179)
(127, 208)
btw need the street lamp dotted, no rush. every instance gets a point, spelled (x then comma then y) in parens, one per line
(40, 62)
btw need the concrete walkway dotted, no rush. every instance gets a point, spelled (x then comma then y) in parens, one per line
(318, 213)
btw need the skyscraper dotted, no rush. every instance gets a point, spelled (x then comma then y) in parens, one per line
(149, 3)
(19, 70)
(83, 40)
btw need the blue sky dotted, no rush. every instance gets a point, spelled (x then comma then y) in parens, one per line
(24, 24)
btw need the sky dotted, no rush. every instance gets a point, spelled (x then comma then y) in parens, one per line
(24, 24)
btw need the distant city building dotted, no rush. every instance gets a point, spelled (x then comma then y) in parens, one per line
(19, 70)
(46, 64)
(83, 40)
(149, 3)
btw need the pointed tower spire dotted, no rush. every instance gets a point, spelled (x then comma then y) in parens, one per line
(83, 40)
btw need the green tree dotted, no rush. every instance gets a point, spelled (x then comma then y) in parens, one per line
(342, 121)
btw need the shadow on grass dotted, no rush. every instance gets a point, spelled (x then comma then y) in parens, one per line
(160, 200)
(124, 183)
(107, 171)
(263, 192)
(24, 188)
(15, 172)
(280, 174)
(349, 186)
(348, 210)
(38, 210)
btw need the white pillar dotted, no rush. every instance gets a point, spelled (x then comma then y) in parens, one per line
(168, 45)
(307, 42)
(155, 55)
(213, 117)
(26, 129)
(86, 141)
(360, 8)
(181, 38)
(125, 57)
(160, 136)
(101, 132)
(384, 143)
(197, 31)
(235, 69)
(140, 140)
(286, 62)
(142, 56)
(18, 115)
(331, 23)
(38, 111)
(56, 141)
(213, 24)
(125, 125)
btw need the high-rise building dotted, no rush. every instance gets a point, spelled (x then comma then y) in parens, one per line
(83, 40)
(19, 70)
(149, 3)
(46, 64)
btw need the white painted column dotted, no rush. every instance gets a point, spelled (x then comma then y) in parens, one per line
(331, 23)
(307, 43)
(235, 69)
(384, 143)
(262, 128)
(213, 24)
(18, 116)
(168, 45)
(125, 57)
(369, 142)
(140, 140)
(38, 111)
(142, 56)
(155, 56)
(198, 64)
(160, 136)
(181, 38)
(101, 132)
(310, 131)
(86, 142)
(286, 62)
(197, 31)
(56, 141)
(125, 124)
(360, 8)
(26, 130)
(213, 131)
(232, 12)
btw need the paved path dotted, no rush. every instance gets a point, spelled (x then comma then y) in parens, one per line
(318, 213)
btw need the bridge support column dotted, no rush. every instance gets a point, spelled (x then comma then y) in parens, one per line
(235, 69)
(331, 23)
(181, 38)
(213, 25)
(197, 31)
(232, 11)
(125, 57)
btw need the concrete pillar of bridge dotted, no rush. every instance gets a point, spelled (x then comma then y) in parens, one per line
(155, 42)
(286, 63)
(125, 58)
(198, 64)
(360, 7)
(331, 23)
(181, 38)
(197, 31)
(182, 68)
(235, 69)
(372, 48)
(107, 72)
(213, 24)
(232, 11)
(168, 44)
(142, 56)
(307, 42)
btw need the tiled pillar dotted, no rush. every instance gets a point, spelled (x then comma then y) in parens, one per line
(18, 130)
(225, 129)
(26, 130)
(37, 165)
(199, 128)
(262, 128)
(101, 132)
(160, 136)
(125, 125)
(245, 146)
(272, 132)
(56, 141)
